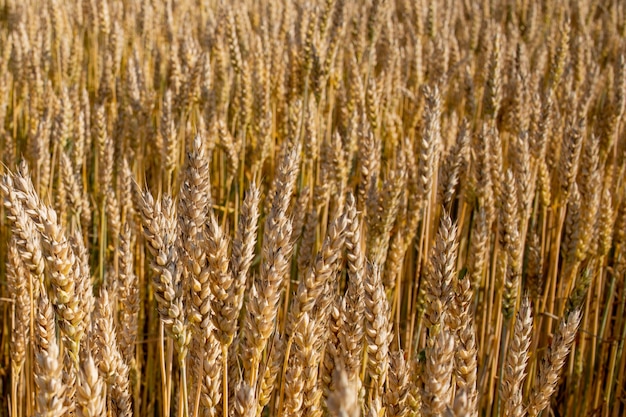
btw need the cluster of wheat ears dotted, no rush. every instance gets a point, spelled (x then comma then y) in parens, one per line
(312, 208)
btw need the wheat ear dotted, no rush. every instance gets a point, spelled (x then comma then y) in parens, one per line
(515, 362)
(552, 363)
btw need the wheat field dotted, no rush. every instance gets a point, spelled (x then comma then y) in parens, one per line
(312, 208)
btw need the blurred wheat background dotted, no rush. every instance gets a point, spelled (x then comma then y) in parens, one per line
(312, 208)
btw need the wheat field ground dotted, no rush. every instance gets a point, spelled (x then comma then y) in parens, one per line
(312, 208)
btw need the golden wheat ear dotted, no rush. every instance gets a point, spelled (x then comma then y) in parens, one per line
(516, 361)
(550, 367)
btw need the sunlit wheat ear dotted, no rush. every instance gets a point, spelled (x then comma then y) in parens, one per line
(377, 328)
(244, 243)
(439, 288)
(60, 260)
(169, 134)
(211, 389)
(245, 401)
(227, 142)
(221, 281)
(462, 323)
(510, 241)
(108, 358)
(515, 362)
(18, 285)
(534, 268)
(70, 183)
(482, 176)
(453, 170)
(351, 334)
(27, 239)
(308, 343)
(84, 285)
(551, 364)
(312, 285)
(429, 145)
(492, 95)
(570, 156)
(479, 247)
(273, 367)
(396, 397)
(437, 391)
(331, 355)
(90, 395)
(193, 205)
(369, 164)
(343, 401)
(49, 366)
(160, 230)
(383, 215)
(460, 406)
(265, 292)
(129, 300)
